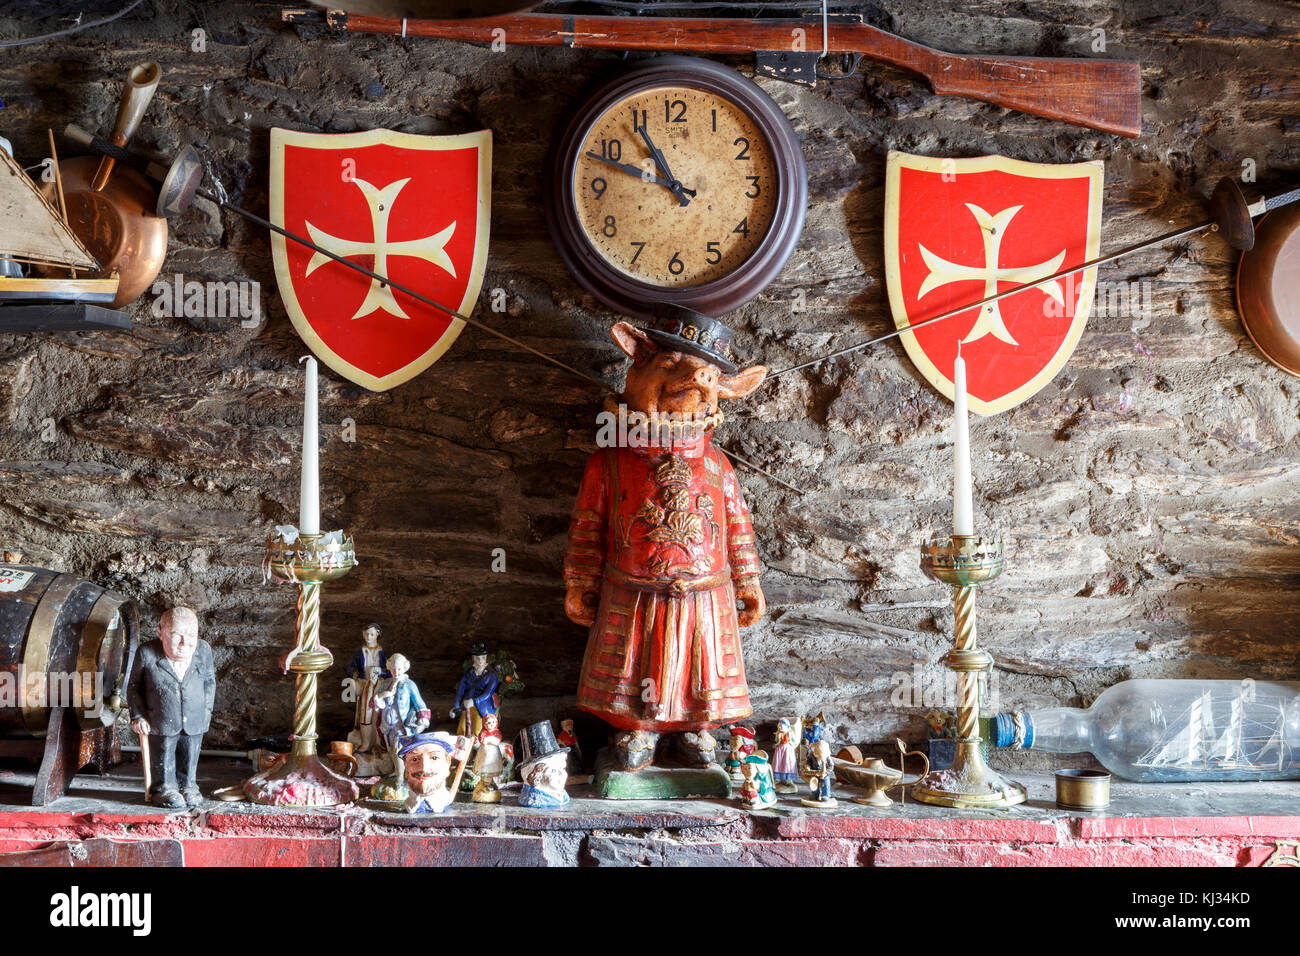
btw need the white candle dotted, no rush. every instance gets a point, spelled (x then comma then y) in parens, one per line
(963, 518)
(309, 488)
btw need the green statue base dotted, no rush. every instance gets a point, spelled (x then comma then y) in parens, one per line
(658, 783)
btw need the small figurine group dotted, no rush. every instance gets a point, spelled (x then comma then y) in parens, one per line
(427, 760)
(390, 711)
(760, 780)
(425, 768)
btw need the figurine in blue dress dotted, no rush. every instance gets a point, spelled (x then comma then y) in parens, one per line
(476, 694)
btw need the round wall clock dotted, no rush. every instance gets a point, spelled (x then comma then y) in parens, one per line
(679, 181)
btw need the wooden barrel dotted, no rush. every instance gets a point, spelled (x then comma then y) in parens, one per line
(63, 641)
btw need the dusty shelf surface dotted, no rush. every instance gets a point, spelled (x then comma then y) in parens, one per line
(119, 792)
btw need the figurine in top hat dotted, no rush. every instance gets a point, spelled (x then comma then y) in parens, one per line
(818, 770)
(661, 548)
(369, 665)
(543, 767)
(742, 745)
(476, 694)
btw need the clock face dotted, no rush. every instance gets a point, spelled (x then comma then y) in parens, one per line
(690, 214)
(678, 181)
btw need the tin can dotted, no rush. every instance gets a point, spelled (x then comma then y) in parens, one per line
(1082, 789)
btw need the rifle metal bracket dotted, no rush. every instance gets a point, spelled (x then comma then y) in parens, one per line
(804, 66)
(795, 67)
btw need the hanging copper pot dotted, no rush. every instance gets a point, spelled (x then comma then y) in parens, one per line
(112, 208)
(1268, 288)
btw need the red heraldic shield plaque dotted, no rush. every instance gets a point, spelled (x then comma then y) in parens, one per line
(959, 230)
(413, 208)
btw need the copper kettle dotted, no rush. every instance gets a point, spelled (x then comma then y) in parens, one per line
(111, 208)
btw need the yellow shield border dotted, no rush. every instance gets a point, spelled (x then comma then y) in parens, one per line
(279, 253)
(1093, 170)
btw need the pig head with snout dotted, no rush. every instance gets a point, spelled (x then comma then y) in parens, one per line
(661, 382)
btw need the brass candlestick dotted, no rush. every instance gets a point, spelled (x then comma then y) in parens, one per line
(965, 562)
(301, 779)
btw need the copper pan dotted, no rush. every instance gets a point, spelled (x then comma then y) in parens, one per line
(1268, 288)
(112, 208)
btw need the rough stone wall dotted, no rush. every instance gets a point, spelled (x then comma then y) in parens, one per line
(1147, 495)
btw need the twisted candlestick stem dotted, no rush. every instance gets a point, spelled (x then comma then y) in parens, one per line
(964, 610)
(967, 681)
(308, 627)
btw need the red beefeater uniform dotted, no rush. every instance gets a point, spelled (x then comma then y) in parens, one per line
(663, 534)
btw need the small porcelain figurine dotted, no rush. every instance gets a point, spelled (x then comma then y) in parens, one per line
(476, 694)
(543, 767)
(427, 760)
(364, 672)
(818, 768)
(757, 789)
(170, 694)
(402, 713)
(742, 745)
(567, 737)
(492, 763)
(785, 755)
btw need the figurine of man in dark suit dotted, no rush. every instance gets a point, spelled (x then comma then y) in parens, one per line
(171, 692)
(476, 694)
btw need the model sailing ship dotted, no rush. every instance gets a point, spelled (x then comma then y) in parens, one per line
(1249, 740)
(46, 272)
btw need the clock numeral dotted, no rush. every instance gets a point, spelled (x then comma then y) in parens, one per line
(757, 190)
(714, 254)
(610, 229)
(715, 120)
(744, 148)
(679, 106)
(742, 227)
(611, 149)
(638, 118)
(640, 246)
(598, 186)
(675, 264)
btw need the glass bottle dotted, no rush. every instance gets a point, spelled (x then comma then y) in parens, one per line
(1172, 730)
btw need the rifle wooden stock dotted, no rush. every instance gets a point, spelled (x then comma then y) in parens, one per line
(1099, 94)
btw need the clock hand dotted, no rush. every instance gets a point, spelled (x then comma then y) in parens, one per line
(631, 170)
(675, 184)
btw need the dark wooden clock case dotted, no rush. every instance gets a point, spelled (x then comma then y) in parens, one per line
(630, 296)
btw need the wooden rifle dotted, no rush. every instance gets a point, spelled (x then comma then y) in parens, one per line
(1099, 94)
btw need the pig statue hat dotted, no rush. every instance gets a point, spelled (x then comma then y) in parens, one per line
(680, 329)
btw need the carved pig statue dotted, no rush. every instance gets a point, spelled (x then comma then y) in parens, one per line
(661, 549)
